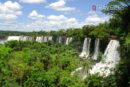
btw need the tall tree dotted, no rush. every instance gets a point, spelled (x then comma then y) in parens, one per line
(120, 10)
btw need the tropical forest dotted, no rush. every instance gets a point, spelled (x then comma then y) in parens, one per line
(87, 56)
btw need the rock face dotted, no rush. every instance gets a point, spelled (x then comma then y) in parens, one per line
(2, 39)
(111, 58)
(86, 48)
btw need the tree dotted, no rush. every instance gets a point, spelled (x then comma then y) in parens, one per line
(120, 10)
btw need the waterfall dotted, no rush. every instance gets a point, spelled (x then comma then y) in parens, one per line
(86, 48)
(60, 40)
(50, 38)
(111, 58)
(26, 38)
(76, 70)
(12, 38)
(68, 40)
(39, 39)
(29, 38)
(96, 49)
(45, 39)
(23, 38)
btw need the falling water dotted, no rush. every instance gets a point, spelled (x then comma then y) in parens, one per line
(60, 40)
(11, 38)
(50, 38)
(39, 39)
(86, 48)
(111, 58)
(68, 40)
(45, 39)
(29, 38)
(96, 49)
(26, 38)
(23, 38)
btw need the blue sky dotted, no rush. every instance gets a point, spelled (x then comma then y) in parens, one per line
(35, 15)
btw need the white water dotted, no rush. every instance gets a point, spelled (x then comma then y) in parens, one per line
(86, 48)
(39, 39)
(76, 70)
(96, 49)
(11, 38)
(111, 58)
(50, 38)
(25, 38)
(68, 40)
(45, 39)
(60, 40)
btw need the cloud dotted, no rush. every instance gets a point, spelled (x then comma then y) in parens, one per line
(94, 19)
(33, 1)
(9, 11)
(52, 22)
(61, 6)
(35, 15)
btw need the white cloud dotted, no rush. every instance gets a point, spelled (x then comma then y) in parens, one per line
(52, 22)
(94, 19)
(61, 6)
(35, 15)
(9, 11)
(33, 1)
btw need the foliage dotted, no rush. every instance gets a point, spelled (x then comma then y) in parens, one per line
(31, 64)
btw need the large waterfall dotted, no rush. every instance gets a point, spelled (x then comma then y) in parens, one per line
(45, 39)
(50, 38)
(110, 59)
(10, 38)
(39, 39)
(86, 48)
(68, 40)
(60, 40)
(96, 49)
(26, 38)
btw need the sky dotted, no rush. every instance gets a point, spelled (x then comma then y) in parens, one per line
(46, 15)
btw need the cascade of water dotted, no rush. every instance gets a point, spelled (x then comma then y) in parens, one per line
(30, 38)
(68, 40)
(86, 48)
(45, 39)
(39, 39)
(11, 38)
(96, 49)
(76, 70)
(111, 58)
(24, 38)
(50, 38)
(60, 40)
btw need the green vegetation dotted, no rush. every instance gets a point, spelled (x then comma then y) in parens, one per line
(32, 64)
